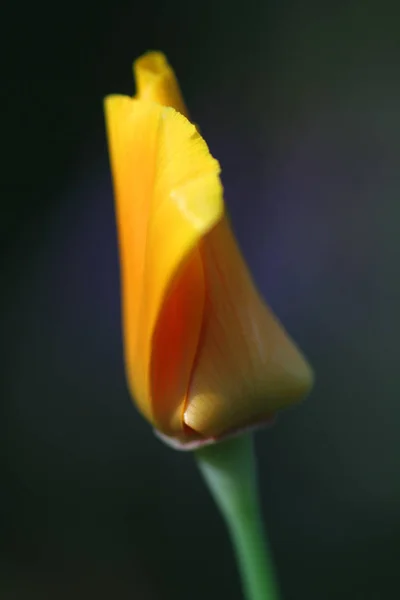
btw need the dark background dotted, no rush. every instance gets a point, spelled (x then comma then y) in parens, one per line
(300, 103)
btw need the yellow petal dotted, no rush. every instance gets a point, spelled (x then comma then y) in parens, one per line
(168, 196)
(247, 367)
(156, 81)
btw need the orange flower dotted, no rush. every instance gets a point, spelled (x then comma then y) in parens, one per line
(204, 355)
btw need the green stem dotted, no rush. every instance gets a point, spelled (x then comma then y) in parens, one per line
(229, 470)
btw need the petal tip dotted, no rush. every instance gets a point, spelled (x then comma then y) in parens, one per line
(153, 62)
(156, 81)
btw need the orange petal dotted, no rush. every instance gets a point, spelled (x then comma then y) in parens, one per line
(156, 81)
(247, 366)
(168, 196)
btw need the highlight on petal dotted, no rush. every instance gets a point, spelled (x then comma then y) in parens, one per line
(247, 366)
(156, 81)
(168, 196)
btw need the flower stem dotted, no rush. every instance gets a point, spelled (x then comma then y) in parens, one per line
(229, 471)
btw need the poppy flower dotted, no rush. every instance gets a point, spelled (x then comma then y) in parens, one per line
(204, 354)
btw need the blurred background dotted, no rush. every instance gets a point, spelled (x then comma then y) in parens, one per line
(300, 103)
